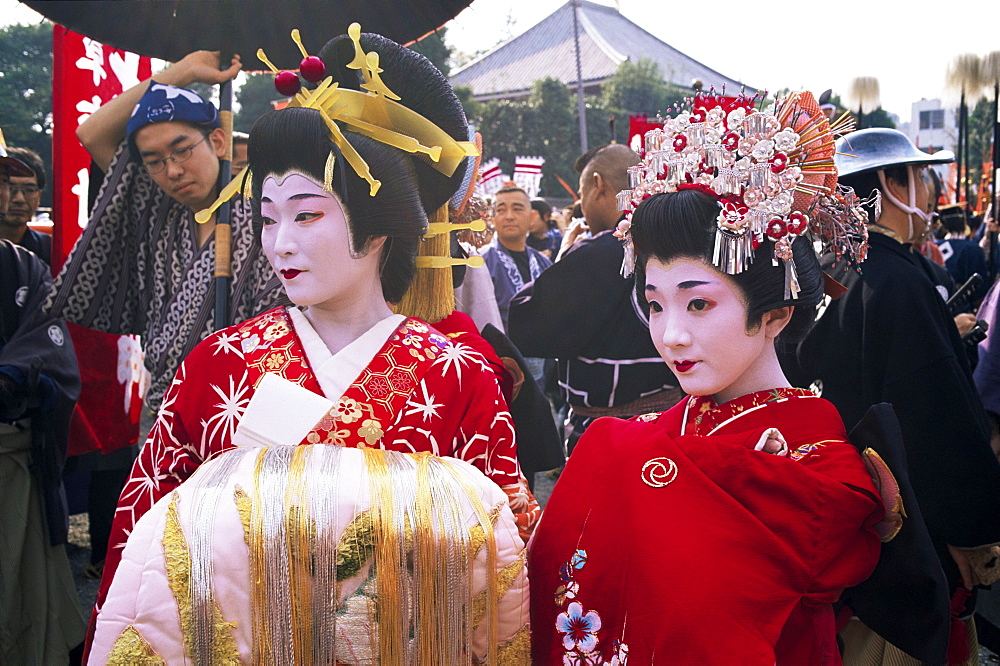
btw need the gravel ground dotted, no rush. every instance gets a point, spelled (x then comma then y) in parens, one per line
(78, 550)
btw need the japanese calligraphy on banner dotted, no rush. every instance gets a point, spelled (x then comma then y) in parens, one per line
(85, 74)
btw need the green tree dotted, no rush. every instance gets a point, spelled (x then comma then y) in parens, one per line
(980, 138)
(546, 122)
(473, 109)
(26, 90)
(434, 49)
(879, 118)
(635, 87)
(553, 134)
(543, 124)
(255, 98)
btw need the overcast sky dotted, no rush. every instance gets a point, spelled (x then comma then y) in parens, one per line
(770, 45)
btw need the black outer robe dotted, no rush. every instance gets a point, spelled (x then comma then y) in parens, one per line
(581, 306)
(38, 346)
(891, 339)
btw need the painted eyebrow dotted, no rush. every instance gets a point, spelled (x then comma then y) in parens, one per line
(688, 284)
(295, 197)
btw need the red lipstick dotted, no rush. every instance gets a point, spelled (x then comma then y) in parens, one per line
(289, 273)
(684, 366)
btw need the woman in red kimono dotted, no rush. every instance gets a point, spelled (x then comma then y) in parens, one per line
(722, 530)
(341, 368)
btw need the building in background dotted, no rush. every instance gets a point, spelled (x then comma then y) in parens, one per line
(606, 40)
(932, 127)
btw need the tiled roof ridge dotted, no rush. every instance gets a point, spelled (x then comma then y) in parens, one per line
(604, 27)
(502, 45)
(595, 34)
(596, 6)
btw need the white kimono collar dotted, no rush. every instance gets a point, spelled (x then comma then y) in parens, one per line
(301, 409)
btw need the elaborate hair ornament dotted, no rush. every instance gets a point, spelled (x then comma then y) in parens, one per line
(770, 171)
(374, 113)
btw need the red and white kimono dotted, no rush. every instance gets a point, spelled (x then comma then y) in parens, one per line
(401, 386)
(673, 539)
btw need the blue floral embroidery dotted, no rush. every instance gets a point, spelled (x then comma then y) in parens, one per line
(579, 628)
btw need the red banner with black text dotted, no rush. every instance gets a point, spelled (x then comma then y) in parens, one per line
(85, 75)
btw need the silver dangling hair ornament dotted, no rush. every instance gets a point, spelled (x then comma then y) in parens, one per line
(770, 169)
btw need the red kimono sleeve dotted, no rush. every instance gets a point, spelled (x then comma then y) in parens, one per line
(486, 439)
(698, 549)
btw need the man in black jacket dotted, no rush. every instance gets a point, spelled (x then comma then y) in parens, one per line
(890, 338)
(584, 314)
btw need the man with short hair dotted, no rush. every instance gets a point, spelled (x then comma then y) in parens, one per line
(25, 195)
(584, 314)
(543, 235)
(511, 262)
(143, 266)
(10, 167)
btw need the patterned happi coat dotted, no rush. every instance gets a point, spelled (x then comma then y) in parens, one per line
(420, 392)
(138, 269)
(673, 539)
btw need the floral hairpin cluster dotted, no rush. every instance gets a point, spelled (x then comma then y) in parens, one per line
(764, 167)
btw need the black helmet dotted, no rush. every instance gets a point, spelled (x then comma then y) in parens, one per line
(880, 148)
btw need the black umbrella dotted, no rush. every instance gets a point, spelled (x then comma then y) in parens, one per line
(170, 29)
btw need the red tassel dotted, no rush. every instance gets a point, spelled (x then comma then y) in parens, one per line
(958, 641)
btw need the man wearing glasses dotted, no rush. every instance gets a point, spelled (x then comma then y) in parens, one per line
(143, 265)
(25, 194)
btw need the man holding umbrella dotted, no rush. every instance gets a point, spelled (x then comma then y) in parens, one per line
(143, 265)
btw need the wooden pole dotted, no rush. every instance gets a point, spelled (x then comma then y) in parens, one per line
(581, 107)
(223, 230)
(958, 148)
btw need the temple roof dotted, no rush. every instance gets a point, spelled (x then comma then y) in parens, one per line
(606, 40)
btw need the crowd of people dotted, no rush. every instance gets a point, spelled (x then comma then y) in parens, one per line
(731, 354)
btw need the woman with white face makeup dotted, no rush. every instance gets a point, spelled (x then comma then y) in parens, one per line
(738, 516)
(416, 534)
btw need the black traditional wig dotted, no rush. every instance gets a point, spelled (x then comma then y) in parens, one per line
(422, 87)
(411, 190)
(683, 225)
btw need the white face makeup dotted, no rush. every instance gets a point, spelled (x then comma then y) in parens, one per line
(697, 321)
(308, 243)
